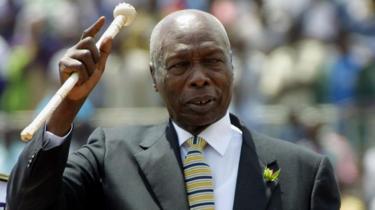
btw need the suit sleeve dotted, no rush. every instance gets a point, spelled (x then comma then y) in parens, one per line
(46, 179)
(325, 193)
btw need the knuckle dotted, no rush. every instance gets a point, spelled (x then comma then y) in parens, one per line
(62, 64)
(70, 52)
(85, 32)
(86, 53)
(84, 42)
(87, 40)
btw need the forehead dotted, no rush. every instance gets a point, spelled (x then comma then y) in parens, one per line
(182, 37)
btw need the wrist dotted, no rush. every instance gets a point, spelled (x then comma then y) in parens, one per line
(63, 117)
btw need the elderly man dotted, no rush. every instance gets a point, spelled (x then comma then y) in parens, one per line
(203, 158)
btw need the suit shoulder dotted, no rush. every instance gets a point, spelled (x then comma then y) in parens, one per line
(132, 134)
(268, 147)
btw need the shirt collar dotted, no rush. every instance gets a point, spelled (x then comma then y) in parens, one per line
(217, 135)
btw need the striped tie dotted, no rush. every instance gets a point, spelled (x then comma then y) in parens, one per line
(198, 178)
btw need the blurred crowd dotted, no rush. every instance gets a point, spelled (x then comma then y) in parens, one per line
(309, 61)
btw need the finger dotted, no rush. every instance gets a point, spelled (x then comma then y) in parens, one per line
(68, 66)
(85, 56)
(89, 43)
(65, 68)
(94, 28)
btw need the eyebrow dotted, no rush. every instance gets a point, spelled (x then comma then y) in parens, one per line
(207, 51)
(176, 55)
(214, 51)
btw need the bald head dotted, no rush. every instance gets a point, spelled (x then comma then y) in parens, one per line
(181, 23)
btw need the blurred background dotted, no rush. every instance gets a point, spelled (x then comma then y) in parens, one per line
(304, 72)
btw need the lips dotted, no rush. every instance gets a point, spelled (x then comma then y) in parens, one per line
(200, 101)
(201, 104)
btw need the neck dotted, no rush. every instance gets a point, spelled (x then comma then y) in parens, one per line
(194, 130)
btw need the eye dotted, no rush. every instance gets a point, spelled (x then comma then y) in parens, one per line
(178, 67)
(182, 64)
(213, 62)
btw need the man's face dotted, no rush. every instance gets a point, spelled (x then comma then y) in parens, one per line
(195, 77)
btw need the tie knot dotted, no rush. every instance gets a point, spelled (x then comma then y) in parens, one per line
(196, 142)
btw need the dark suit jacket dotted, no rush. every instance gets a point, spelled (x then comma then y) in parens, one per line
(140, 168)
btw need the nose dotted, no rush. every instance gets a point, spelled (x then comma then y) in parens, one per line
(198, 78)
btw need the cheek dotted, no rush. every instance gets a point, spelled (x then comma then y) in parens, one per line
(172, 91)
(174, 84)
(227, 84)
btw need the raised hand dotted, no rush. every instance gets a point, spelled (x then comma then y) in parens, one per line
(87, 60)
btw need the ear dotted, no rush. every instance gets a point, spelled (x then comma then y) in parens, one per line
(153, 72)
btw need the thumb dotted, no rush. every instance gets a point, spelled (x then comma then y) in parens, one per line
(105, 49)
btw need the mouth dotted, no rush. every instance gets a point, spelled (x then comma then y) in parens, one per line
(201, 101)
(201, 104)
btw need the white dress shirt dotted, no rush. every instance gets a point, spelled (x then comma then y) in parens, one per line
(222, 155)
(50, 140)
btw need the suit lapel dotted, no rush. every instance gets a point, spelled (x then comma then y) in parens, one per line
(252, 191)
(273, 191)
(160, 163)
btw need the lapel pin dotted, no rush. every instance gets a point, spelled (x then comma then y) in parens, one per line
(271, 172)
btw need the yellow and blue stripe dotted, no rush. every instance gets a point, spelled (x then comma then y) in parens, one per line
(198, 178)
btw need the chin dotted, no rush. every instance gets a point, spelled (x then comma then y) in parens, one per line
(201, 120)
